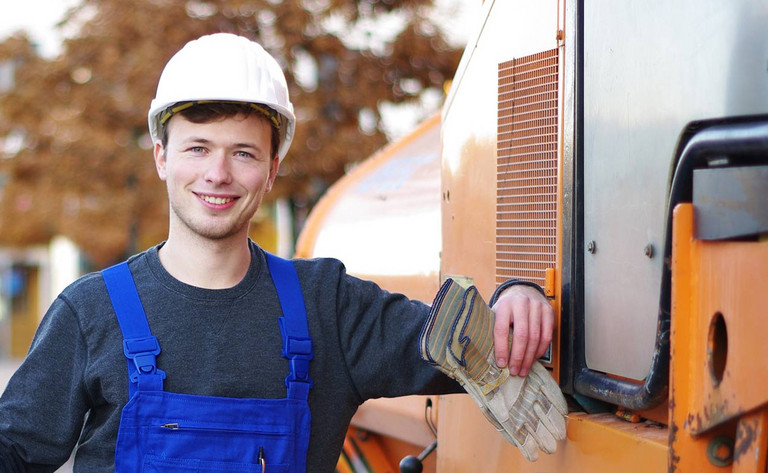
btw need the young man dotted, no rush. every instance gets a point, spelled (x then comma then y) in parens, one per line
(202, 345)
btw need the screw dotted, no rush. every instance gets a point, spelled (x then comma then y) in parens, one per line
(592, 246)
(648, 250)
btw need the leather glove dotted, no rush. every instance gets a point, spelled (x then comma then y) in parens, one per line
(457, 338)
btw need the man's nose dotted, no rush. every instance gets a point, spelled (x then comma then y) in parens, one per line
(219, 169)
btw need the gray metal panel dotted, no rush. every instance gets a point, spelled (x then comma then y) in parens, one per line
(730, 202)
(650, 68)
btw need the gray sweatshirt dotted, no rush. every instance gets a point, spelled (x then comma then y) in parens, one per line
(70, 390)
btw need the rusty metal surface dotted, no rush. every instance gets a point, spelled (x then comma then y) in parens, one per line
(751, 443)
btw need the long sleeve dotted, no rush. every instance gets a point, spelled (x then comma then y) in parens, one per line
(377, 333)
(44, 404)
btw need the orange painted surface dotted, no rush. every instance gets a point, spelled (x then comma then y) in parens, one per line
(365, 453)
(469, 216)
(718, 369)
(732, 280)
(595, 443)
(397, 426)
(400, 418)
(686, 452)
(319, 218)
(422, 287)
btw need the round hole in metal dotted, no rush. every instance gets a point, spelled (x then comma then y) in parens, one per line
(717, 348)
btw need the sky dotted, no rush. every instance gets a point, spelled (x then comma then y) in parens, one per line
(38, 18)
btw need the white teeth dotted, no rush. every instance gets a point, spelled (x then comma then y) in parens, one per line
(216, 200)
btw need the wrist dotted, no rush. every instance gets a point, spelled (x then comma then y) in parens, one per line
(510, 283)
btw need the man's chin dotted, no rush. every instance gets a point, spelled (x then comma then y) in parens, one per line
(219, 232)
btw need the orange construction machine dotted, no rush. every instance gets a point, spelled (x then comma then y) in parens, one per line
(616, 153)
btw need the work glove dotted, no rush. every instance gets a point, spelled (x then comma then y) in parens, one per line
(457, 338)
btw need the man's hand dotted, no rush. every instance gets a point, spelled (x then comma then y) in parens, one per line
(531, 318)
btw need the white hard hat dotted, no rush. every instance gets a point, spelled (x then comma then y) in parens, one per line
(223, 67)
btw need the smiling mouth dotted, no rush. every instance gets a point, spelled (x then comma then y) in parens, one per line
(216, 200)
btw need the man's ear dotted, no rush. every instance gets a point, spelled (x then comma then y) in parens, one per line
(160, 160)
(274, 166)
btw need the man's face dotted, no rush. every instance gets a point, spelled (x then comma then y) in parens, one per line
(217, 174)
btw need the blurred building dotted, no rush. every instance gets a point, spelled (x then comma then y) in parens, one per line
(30, 278)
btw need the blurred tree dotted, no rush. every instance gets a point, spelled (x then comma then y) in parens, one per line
(76, 156)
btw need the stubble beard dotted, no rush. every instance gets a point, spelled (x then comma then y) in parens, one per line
(222, 229)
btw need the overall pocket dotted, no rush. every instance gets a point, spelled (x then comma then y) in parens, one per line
(233, 443)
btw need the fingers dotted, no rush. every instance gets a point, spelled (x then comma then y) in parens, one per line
(520, 336)
(501, 325)
(532, 319)
(512, 310)
(547, 329)
(534, 335)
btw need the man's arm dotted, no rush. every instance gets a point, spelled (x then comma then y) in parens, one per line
(527, 311)
(10, 461)
(42, 408)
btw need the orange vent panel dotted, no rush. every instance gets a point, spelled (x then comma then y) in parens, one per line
(526, 163)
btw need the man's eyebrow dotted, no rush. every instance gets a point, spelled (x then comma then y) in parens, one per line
(195, 139)
(206, 141)
(246, 145)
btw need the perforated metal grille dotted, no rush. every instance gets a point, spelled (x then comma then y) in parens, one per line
(526, 192)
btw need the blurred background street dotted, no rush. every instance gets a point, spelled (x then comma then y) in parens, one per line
(7, 367)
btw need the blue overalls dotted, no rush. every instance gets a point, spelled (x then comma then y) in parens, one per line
(180, 433)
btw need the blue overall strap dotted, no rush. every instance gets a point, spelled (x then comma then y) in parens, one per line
(297, 344)
(139, 346)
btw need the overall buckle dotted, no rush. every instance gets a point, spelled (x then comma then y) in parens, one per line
(299, 352)
(143, 352)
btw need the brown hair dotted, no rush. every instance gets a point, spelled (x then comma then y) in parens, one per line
(213, 111)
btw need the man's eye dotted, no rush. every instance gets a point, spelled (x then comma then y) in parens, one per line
(197, 149)
(244, 154)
